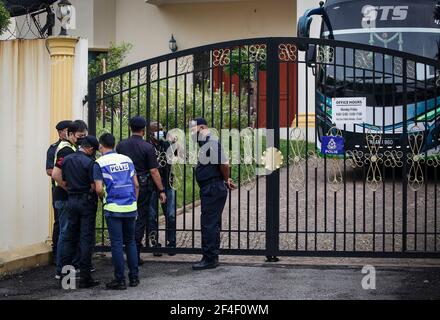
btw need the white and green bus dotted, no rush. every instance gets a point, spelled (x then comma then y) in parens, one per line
(411, 27)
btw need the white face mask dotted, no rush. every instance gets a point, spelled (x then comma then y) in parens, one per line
(161, 135)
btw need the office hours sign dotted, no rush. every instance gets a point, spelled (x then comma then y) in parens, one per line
(349, 111)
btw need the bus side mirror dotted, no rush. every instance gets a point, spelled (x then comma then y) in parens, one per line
(304, 24)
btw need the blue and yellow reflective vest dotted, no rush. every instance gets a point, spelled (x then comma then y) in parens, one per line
(63, 144)
(118, 172)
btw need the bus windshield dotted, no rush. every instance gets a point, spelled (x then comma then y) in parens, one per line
(408, 26)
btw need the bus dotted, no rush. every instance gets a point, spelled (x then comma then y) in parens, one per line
(408, 26)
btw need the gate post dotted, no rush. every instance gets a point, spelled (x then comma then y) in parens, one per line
(91, 104)
(273, 123)
(62, 55)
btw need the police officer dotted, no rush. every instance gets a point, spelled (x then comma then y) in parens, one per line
(160, 143)
(76, 132)
(77, 172)
(213, 177)
(62, 134)
(144, 158)
(117, 184)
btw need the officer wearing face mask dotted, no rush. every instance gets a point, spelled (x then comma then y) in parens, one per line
(76, 132)
(62, 134)
(213, 177)
(159, 140)
(77, 174)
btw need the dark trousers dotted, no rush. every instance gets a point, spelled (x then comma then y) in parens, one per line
(143, 205)
(213, 199)
(121, 232)
(55, 232)
(169, 210)
(80, 230)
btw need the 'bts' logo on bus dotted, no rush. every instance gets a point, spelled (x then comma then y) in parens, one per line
(384, 13)
(119, 167)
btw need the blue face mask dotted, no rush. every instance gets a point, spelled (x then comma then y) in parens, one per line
(158, 135)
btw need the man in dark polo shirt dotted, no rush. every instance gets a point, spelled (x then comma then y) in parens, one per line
(62, 135)
(213, 177)
(77, 172)
(144, 158)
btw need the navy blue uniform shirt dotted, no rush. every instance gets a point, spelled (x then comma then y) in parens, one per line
(142, 153)
(208, 170)
(50, 157)
(78, 172)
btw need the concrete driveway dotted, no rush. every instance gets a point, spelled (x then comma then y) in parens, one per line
(291, 279)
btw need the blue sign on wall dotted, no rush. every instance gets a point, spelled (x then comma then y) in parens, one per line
(333, 145)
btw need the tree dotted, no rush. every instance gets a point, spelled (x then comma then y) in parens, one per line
(4, 17)
(114, 59)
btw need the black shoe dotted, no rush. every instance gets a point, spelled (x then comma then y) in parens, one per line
(116, 285)
(205, 265)
(157, 254)
(140, 262)
(134, 283)
(88, 284)
(172, 254)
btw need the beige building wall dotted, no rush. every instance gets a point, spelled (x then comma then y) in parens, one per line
(104, 26)
(149, 27)
(25, 112)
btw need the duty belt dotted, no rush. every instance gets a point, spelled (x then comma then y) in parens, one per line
(205, 183)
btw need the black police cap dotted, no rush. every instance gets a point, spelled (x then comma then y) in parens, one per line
(200, 122)
(63, 125)
(138, 122)
(90, 141)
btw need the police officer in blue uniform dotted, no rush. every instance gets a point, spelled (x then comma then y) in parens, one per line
(116, 183)
(77, 172)
(213, 177)
(62, 134)
(76, 132)
(145, 162)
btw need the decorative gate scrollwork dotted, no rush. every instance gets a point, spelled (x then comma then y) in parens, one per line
(393, 159)
(297, 159)
(373, 160)
(221, 57)
(415, 158)
(355, 159)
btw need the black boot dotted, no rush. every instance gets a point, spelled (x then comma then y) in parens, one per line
(205, 265)
(116, 285)
(134, 282)
(157, 254)
(89, 283)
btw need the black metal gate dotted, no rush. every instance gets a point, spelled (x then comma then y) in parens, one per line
(374, 196)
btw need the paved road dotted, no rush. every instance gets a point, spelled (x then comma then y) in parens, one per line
(165, 280)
